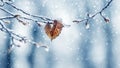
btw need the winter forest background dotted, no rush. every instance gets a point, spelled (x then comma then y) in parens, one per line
(98, 46)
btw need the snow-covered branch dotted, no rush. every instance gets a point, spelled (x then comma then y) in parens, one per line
(36, 19)
(99, 12)
(13, 36)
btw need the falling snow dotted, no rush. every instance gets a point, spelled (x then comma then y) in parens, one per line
(94, 44)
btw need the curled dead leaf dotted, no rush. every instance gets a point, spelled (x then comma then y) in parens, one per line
(53, 30)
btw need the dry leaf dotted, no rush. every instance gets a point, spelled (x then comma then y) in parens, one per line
(53, 30)
(48, 30)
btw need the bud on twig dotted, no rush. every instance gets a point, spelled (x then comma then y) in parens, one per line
(106, 20)
(17, 15)
(39, 24)
(87, 26)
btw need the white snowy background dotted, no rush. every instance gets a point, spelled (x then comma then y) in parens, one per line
(76, 46)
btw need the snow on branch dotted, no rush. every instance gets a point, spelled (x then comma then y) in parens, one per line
(13, 36)
(52, 31)
(91, 17)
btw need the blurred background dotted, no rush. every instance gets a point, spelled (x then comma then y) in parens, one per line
(76, 46)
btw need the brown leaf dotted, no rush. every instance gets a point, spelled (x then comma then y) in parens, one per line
(48, 30)
(53, 30)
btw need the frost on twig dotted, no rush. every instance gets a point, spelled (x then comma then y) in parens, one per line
(37, 20)
(13, 36)
(97, 13)
(21, 19)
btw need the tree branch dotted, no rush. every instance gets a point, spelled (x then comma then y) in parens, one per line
(99, 12)
(13, 36)
(42, 18)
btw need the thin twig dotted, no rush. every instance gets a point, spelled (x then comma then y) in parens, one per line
(17, 37)
(19, 17)
(13, 36)
(99, 12)
(43, 18)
